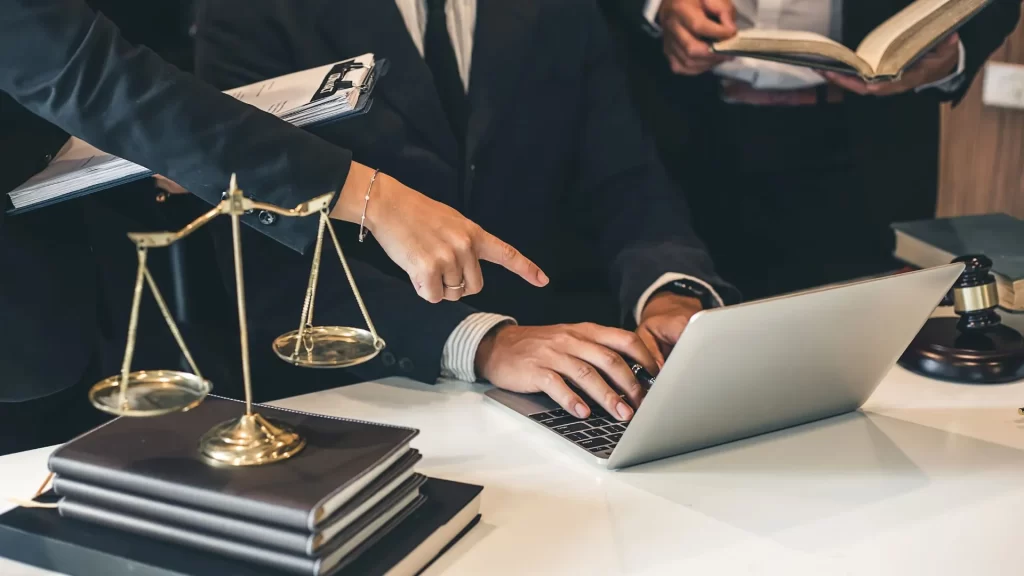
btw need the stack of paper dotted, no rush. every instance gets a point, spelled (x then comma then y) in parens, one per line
(305, 98)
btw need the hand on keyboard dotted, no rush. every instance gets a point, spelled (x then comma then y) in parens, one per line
(549, 358)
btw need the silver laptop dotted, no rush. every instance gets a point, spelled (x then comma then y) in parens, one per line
(753, 368)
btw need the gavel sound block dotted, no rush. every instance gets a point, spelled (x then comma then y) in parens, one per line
(976, 348)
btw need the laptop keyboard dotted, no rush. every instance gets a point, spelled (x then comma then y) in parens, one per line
(597, 434)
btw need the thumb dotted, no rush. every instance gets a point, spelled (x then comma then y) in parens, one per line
(667, 329)
(723, 10)
(652, 345)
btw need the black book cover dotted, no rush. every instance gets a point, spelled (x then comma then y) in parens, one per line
(41, 537)
(159, 458)
(290, 541)
(375, 523)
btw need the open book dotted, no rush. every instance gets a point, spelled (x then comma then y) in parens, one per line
(305, 98)
(883, 55)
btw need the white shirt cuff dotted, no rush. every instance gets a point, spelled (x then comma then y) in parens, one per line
(458, 357)
(667, 278)
(651, 15)
(952, 82)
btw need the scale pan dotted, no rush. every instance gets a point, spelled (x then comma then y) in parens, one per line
(327, 347)
(150, 393)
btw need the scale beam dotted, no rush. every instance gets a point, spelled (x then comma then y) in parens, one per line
(250, 440)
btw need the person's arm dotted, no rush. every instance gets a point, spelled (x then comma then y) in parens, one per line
(642, 221)
(70, 66)
(683, 28)
(980, 37)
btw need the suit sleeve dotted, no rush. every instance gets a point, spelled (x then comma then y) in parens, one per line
(981, 37)
(71, 67)
(629, 11)
(642, 221)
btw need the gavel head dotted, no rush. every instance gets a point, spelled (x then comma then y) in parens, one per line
(975, 297)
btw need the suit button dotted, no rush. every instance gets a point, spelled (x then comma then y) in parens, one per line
(405, 365)
(388, 359)
(47, 158)
(267, 218)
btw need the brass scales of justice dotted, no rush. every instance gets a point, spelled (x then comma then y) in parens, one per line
(251, 439)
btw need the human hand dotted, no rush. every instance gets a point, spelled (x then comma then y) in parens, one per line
(439, 248)
(663, 320)
(531, 359)
(940, 62)
(169, 186)
(688, 26)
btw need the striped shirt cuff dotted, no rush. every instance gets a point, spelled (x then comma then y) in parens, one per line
(651, 17)
(458, 357)
(952, 82)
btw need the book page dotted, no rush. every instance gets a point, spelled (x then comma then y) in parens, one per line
(771, 35)
(872, 48)
(795, 47)
(74, 159)
(927, 33)
(283, 94)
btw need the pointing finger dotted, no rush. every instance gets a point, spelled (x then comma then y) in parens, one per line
(499, 252)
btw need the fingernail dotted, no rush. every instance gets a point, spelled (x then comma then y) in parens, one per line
(543, 277)
(580, 410)
(625, 413)
(661, 364)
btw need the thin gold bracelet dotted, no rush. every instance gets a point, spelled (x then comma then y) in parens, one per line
(366, 202)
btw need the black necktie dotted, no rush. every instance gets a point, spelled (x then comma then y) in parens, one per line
(440, 58)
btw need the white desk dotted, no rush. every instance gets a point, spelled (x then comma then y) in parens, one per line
(929, 479)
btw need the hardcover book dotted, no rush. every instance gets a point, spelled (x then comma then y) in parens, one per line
(158, 458)
(1000, 237)
(884, 54)
(380, 520)
(294, 542)
(43, 538)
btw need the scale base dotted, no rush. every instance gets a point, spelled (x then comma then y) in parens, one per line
(251, 440)
(328, 347)
(150, 393)
(940, 350)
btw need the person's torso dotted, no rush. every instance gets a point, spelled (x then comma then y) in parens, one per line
(519, 179)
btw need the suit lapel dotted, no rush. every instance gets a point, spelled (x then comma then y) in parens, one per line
(377, 26)
(499, 52)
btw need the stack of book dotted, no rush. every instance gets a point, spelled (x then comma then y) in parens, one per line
(350, 501)
(1000, 237)
(305, 98)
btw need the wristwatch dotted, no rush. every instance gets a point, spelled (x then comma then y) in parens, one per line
(691, 289)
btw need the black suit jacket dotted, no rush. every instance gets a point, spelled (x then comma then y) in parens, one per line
(894, 139)
(70, 67)
(556, 162)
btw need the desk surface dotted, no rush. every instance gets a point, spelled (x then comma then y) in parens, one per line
(927, 479)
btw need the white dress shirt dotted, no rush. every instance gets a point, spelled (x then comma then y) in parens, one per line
(458, 357)
(824, 17)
